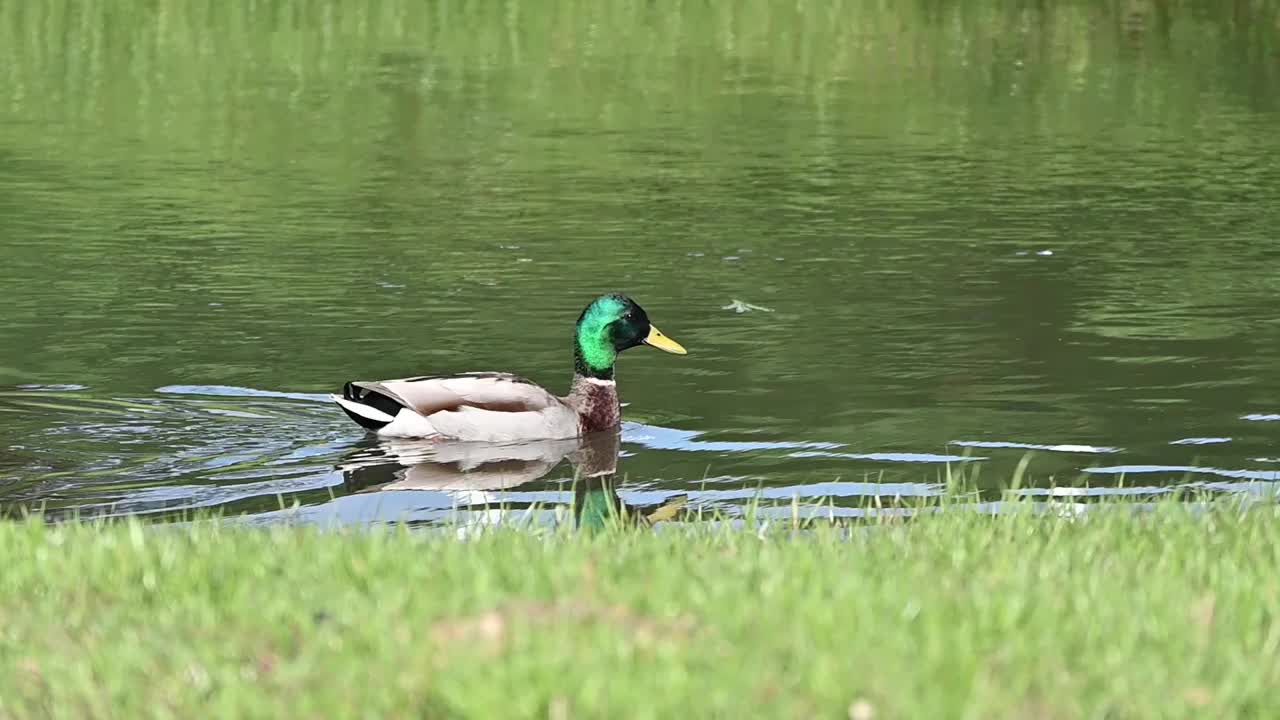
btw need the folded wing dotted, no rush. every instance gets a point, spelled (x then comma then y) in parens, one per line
(479, 406)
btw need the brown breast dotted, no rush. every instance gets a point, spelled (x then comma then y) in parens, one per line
(597, 406)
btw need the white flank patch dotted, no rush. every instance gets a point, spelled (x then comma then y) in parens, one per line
(408, 424)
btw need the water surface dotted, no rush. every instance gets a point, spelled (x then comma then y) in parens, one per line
(896, 241)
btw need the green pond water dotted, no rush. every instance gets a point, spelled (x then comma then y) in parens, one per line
(898, 240)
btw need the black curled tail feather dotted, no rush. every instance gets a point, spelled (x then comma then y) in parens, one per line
(372, 398)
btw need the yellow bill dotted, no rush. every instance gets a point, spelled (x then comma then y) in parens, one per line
(662, 342)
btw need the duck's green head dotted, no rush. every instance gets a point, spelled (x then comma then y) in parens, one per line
(610, 324)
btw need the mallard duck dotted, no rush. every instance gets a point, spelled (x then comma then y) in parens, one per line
(501, 407)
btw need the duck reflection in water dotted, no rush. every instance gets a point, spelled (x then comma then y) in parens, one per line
(476, 474)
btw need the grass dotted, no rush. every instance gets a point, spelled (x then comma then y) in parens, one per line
(1163, 614)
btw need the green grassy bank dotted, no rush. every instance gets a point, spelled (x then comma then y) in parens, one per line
(1161, 614)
